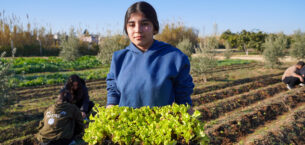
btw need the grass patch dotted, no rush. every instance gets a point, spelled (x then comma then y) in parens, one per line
(228, 62)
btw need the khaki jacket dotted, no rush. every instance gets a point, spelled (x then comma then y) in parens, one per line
(61, 121)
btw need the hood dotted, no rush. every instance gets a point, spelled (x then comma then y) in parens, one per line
(157, 45)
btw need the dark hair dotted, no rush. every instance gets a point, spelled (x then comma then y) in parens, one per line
(76, 94)
(147, 10)
(64, 96)
(301, 63)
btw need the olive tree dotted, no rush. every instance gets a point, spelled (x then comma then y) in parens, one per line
(206, 61)
(109, 45)
(298, 45)
(274, 49)
(69, 47)
(186, 47)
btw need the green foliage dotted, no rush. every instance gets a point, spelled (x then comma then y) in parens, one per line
(228, 62)
(174, 33)
(206, 61)
(298, 45)
(148, 126)
(202, 65)
(186, 47)
(274, 49)
(86, 48)
(109, 45)
(228, 51)
(56, 78)
(27, 65)
(5, 75)
(208, 45)
(245, 39)
(69, 47)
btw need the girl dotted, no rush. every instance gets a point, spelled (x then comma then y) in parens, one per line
(79, 92)
(147, 72)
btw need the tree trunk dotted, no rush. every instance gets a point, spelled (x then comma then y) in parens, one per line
(205, 78)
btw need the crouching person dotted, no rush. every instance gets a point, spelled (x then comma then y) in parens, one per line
(76, 86)
(292, 76)
(62, 122)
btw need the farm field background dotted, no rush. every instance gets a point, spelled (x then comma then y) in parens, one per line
(238, 52)
(241, 102)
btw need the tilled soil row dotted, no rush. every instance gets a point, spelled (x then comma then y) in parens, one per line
(234, 83)
(57, 86)
(232, 91)
(19, 130)
(239, 124)
(288, 131)
(231, 67)
(22, 129)
(31, 114)
(44, 93)
(27, 140)
(215, 109)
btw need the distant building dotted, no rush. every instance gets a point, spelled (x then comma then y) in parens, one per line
(90, 38)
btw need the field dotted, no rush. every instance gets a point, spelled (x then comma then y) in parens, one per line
(242, 103)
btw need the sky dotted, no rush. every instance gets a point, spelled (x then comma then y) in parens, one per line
(104, 16)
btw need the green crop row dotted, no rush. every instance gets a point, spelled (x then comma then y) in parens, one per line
(228, 62)
(56, 78)
(52, 64)
(170, 124)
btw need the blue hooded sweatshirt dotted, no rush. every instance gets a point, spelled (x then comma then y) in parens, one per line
(158, 77)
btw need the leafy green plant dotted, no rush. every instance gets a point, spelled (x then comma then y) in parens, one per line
(26, 65)
(56, 78)
(170, 124)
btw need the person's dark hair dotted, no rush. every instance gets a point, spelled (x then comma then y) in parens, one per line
(301, 63)
(64, 96)
(76, 94)
(147, 10)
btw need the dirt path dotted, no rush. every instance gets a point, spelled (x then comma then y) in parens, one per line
(251, 57)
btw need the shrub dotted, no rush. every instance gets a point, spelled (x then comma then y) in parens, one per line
(186, 47)
(157, 125)
(175, 33)
(298, 45)
(5, 75)
(69, 47)
(109, 45)
(202, 65)
(274, 48)
(206, 61)
(228, 51)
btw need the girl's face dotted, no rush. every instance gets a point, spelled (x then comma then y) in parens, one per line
(140, 31)
(75, 86)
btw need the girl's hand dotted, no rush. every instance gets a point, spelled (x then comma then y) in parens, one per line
(84, 114)
(109, 106)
